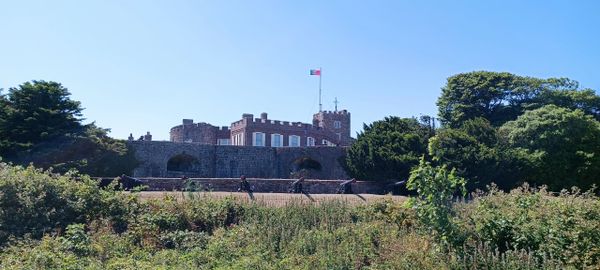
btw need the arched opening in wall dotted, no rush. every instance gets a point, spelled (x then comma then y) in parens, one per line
(305, 167)
(183, 163)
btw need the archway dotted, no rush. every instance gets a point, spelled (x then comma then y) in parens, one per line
(305, 167)
(183, 163)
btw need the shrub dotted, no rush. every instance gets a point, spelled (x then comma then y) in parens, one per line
(36, 202)
(436, 188)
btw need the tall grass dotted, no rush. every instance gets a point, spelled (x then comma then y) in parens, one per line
(524, 229)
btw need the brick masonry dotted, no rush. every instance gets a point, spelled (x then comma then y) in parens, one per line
(328, 127)
(226, 161)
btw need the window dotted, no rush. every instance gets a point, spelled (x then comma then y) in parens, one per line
(294, 141)
(224, 142)
(337, 124)
(276, 140)
(258, 139)
(310, 141)
(328, 143)
(238, 139)
(339, 135)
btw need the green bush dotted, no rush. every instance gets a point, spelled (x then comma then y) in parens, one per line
(524, 229)
(36, 202)
(565, 227)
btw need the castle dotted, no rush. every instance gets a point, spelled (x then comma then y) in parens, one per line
(328, 128)
(265, 148)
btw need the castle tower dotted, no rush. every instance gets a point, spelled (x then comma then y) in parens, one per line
(336, 122)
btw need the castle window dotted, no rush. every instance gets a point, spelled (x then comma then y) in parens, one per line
(258, 139)
(310, 141)
(328, 143)
(294, 140)
(337, 124)
(238, 139)
(224, 142)
(276, 140)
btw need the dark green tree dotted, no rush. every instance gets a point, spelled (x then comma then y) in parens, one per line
(40, 124)
(473, 151)
(37, 111)
(500, 97)
(4, 142)
(91, 152)
(388, 149)
(561, 146)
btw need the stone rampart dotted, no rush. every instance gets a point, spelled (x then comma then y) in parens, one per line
(259, 185)
(172, 159)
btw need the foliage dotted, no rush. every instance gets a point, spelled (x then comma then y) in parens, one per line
(501, 97)
(388, 149)
(563, 227)
(476, 106)
(37, 111)
(524, 229)
(40, 124)
(561, 146)
(474, 152)
(436, 188)
(92, 152)
(33, 202)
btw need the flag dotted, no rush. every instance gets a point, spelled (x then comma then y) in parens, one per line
(316, 72)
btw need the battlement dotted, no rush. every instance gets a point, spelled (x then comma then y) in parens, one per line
(330, 126)
(341, 112)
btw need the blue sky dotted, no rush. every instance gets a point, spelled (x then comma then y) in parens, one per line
(140, 66)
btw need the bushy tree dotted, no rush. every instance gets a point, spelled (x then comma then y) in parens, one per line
(561, 146)
(501, 97)
(37, 111)
(388, 149)
(40, 124)
(91, 152)
(473, 151)
(437, 187)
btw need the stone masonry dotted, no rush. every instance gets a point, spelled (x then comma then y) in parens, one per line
(171, 159)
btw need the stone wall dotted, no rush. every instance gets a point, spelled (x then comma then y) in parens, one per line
(259, 185)
(226, 161)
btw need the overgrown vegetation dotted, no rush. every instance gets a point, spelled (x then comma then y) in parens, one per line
(497, 128)
(51, 221)
(41, 124)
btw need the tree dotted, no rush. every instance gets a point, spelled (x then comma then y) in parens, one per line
(38, 111)
(473, 151)
(561, 146)
(500, 97)
(437, 188)
(4, 142)
(388, 149)
(40, 124)
(92, 152)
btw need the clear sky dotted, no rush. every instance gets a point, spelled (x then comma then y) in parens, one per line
(140, 66)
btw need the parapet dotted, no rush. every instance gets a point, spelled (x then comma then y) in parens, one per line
(342, 112)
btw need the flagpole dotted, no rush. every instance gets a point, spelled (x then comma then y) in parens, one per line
(320, 76)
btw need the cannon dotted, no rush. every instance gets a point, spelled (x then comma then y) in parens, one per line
(346, 187)
(296, 186)
(244, 185)
(395, 187)
(125, 182)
